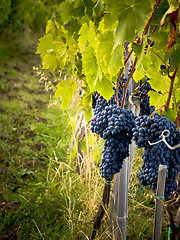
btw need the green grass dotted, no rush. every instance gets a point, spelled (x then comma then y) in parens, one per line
(42, 196)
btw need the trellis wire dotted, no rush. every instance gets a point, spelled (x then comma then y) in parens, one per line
(163, 139)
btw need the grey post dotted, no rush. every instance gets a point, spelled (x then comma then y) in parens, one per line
(159, 202)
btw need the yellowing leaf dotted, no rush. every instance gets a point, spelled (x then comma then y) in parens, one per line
(90, 67)
(116, 60)
(49, 26)
(173, 6)
(87, 34)
(49, 61)
(65, 90)
(45, 44)
(156, 99)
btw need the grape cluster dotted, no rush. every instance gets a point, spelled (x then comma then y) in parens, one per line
(145, 107)
(118, 135)
(149, 130)
(113, 124)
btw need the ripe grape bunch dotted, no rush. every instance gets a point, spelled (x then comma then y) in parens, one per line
(113, 124)
(142, 91)
(148, 130)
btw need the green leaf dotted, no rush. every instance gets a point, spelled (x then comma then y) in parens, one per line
(156, 99)
(49, 26)
(79, 9)
(86, 34)
(99, 7)
(140, 53)
(45, 44)
(160, 40)
(65, 90)
(86, 104)
(139, 74)
(65, 9)
(49, 61)
(105, 87)
(131, 16)
(137, 49)
(89, 7)
(116, 60)
(104, 48)
(90, 67)
(171, 114)
(156, 80)
(175, 58)
(177, 94)
(53, 52)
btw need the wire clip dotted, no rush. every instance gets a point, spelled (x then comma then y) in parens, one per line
(159, 197)
(108, 182)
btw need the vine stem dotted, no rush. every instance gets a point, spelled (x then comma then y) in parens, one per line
(135, 60)
(158, 56)
(125, 86)
(166, 105)
(151, 17)
(117, 86)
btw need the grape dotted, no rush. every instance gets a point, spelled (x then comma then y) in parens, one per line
(113, 124)
(149, 129)
(118, 135)
(142, 91)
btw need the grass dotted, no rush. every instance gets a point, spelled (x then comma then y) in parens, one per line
(42, 196)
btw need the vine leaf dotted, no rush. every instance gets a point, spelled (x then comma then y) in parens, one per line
(65, 90)
(49, 26)
(177, 94)
(53, 52)
(156, 80)
(157, 99)
(99, 7)
(65, 10)
(171, 114)
(87, 35)
(131, 16)
(104, 49)
(90, 67)
(116, 60)
(105, 89)
(172, 13)
(175, 58)
(50, 61)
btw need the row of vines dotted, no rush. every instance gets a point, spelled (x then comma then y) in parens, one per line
(86, 40)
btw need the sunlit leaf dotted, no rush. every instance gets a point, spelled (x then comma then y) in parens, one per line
(171, 114)
(131, 16)
(65, 90)
(90, 67)
(86, 34)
